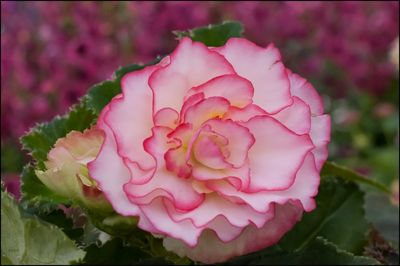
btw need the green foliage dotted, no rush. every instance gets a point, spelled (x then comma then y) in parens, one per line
(318, 252)
(337, 201)
(331, 168)
(213, 35)
(27, 241)
(384, 216)
(42, 137)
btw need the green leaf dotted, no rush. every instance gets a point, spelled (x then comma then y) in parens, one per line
(384, 216)
(36, 195)
(333, 169)
(113, 252)
(319, 252)
(42, 137)
(338, 202)
(27, 241)
(213, 35)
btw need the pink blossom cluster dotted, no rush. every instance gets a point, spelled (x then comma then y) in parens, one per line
(52, 52)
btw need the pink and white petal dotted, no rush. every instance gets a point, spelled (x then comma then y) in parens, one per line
(239, 137)
(237, 90)
(190, 101)
(239, 215)
(304, 188)
(263, 68)
(238, 177)
(181, 190)
(321, 155)
(320, 129)
(158, 216)
(192, 64)
(176, 161)
(320, 135)
(110, 172)
(133, 109)
(166, 117)
(209, 108)
(296, 117)
(304, 90)
(244, 114)
(211, 249)
(276, 155)
(209, 154)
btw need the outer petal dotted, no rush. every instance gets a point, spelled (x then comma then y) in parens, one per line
(276, 155)
(237, 90)
(304, 90)
(192, 64)
(211, 250)
(129, 111)
(296, 117)
(215, 205)
(304, 188)
(320, 135)
(261, 66)
(110, 172)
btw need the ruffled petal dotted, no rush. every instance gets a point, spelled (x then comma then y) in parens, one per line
(276, 155)
(166, 117)
(179, 190)
(305, 91)
(237, 90)
(304, 188)
(110, 172)
(244, 114)
(192, 64)
(263, 68)
(213, 107)
(320, 135)
(129, 111)
(211, 249)
(239, 138)
(296, 117)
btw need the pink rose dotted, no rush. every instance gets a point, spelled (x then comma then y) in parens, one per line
(218, 150)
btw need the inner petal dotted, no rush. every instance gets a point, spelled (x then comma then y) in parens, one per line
(208, 152)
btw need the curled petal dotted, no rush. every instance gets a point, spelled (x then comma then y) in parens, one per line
(191, 64)
(276, 155)
(263, 68)
(206, 109)
(237, 90)
(305, 91)
(129, 111)
(296, 117)
(211, 249)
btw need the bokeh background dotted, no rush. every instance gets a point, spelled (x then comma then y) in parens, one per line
(52, 52)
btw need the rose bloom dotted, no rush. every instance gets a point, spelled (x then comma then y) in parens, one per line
(217, 150)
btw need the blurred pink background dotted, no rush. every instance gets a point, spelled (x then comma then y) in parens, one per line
(52, 52)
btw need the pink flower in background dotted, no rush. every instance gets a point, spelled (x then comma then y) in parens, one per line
(218, 150)
(52, 52)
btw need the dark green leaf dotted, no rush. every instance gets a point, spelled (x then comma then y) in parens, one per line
(338, 202)
(318, 252)
(113, 252)
(333, 169)
(42, 137)
(213, 35)
(384, 216)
